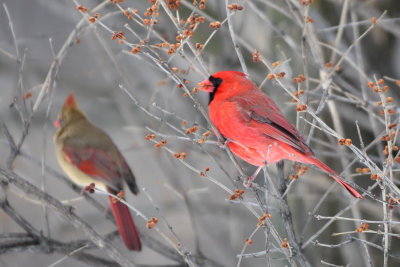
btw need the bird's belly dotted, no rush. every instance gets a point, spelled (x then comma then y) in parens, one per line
(77, 176)
(260, 155)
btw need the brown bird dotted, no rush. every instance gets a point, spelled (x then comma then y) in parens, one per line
(88, 155)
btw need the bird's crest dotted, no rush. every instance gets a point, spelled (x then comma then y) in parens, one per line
(70, 102)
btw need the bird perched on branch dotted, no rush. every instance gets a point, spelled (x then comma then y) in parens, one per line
(254, 128)
(88, 155)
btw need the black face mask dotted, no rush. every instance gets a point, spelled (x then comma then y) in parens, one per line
(216, 82)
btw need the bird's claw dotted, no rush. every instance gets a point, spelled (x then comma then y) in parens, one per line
(247, 183)
(249, 180)
(222, 143)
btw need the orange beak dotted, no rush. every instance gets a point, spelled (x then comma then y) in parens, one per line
(206, 85)
(57, 123)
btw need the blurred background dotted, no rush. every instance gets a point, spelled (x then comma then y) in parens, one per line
(49, 49)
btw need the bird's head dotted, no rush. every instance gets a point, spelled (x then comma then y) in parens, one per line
(69, 112)
(221, 82)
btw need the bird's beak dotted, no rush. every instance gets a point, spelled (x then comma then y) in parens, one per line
(57, 123)
(206, 85)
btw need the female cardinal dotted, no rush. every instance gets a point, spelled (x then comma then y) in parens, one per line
(88, 155)
(255, 129)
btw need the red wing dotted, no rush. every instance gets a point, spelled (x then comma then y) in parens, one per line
(246, 125)
(95, 163)
(264, 107)
(278, 132)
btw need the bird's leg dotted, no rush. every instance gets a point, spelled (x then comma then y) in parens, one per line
(247, 183)
(222, 143)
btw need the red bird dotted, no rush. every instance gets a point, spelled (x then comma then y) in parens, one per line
(255, 129)
(88, 155)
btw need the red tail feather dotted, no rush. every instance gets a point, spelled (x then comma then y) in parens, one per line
(126, 226)
(335, 176)
(348, 187)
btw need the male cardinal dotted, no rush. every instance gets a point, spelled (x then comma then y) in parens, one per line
(255, 129)
(88, 155)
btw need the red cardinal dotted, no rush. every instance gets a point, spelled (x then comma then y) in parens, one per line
(88, 155)
(255, 129)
